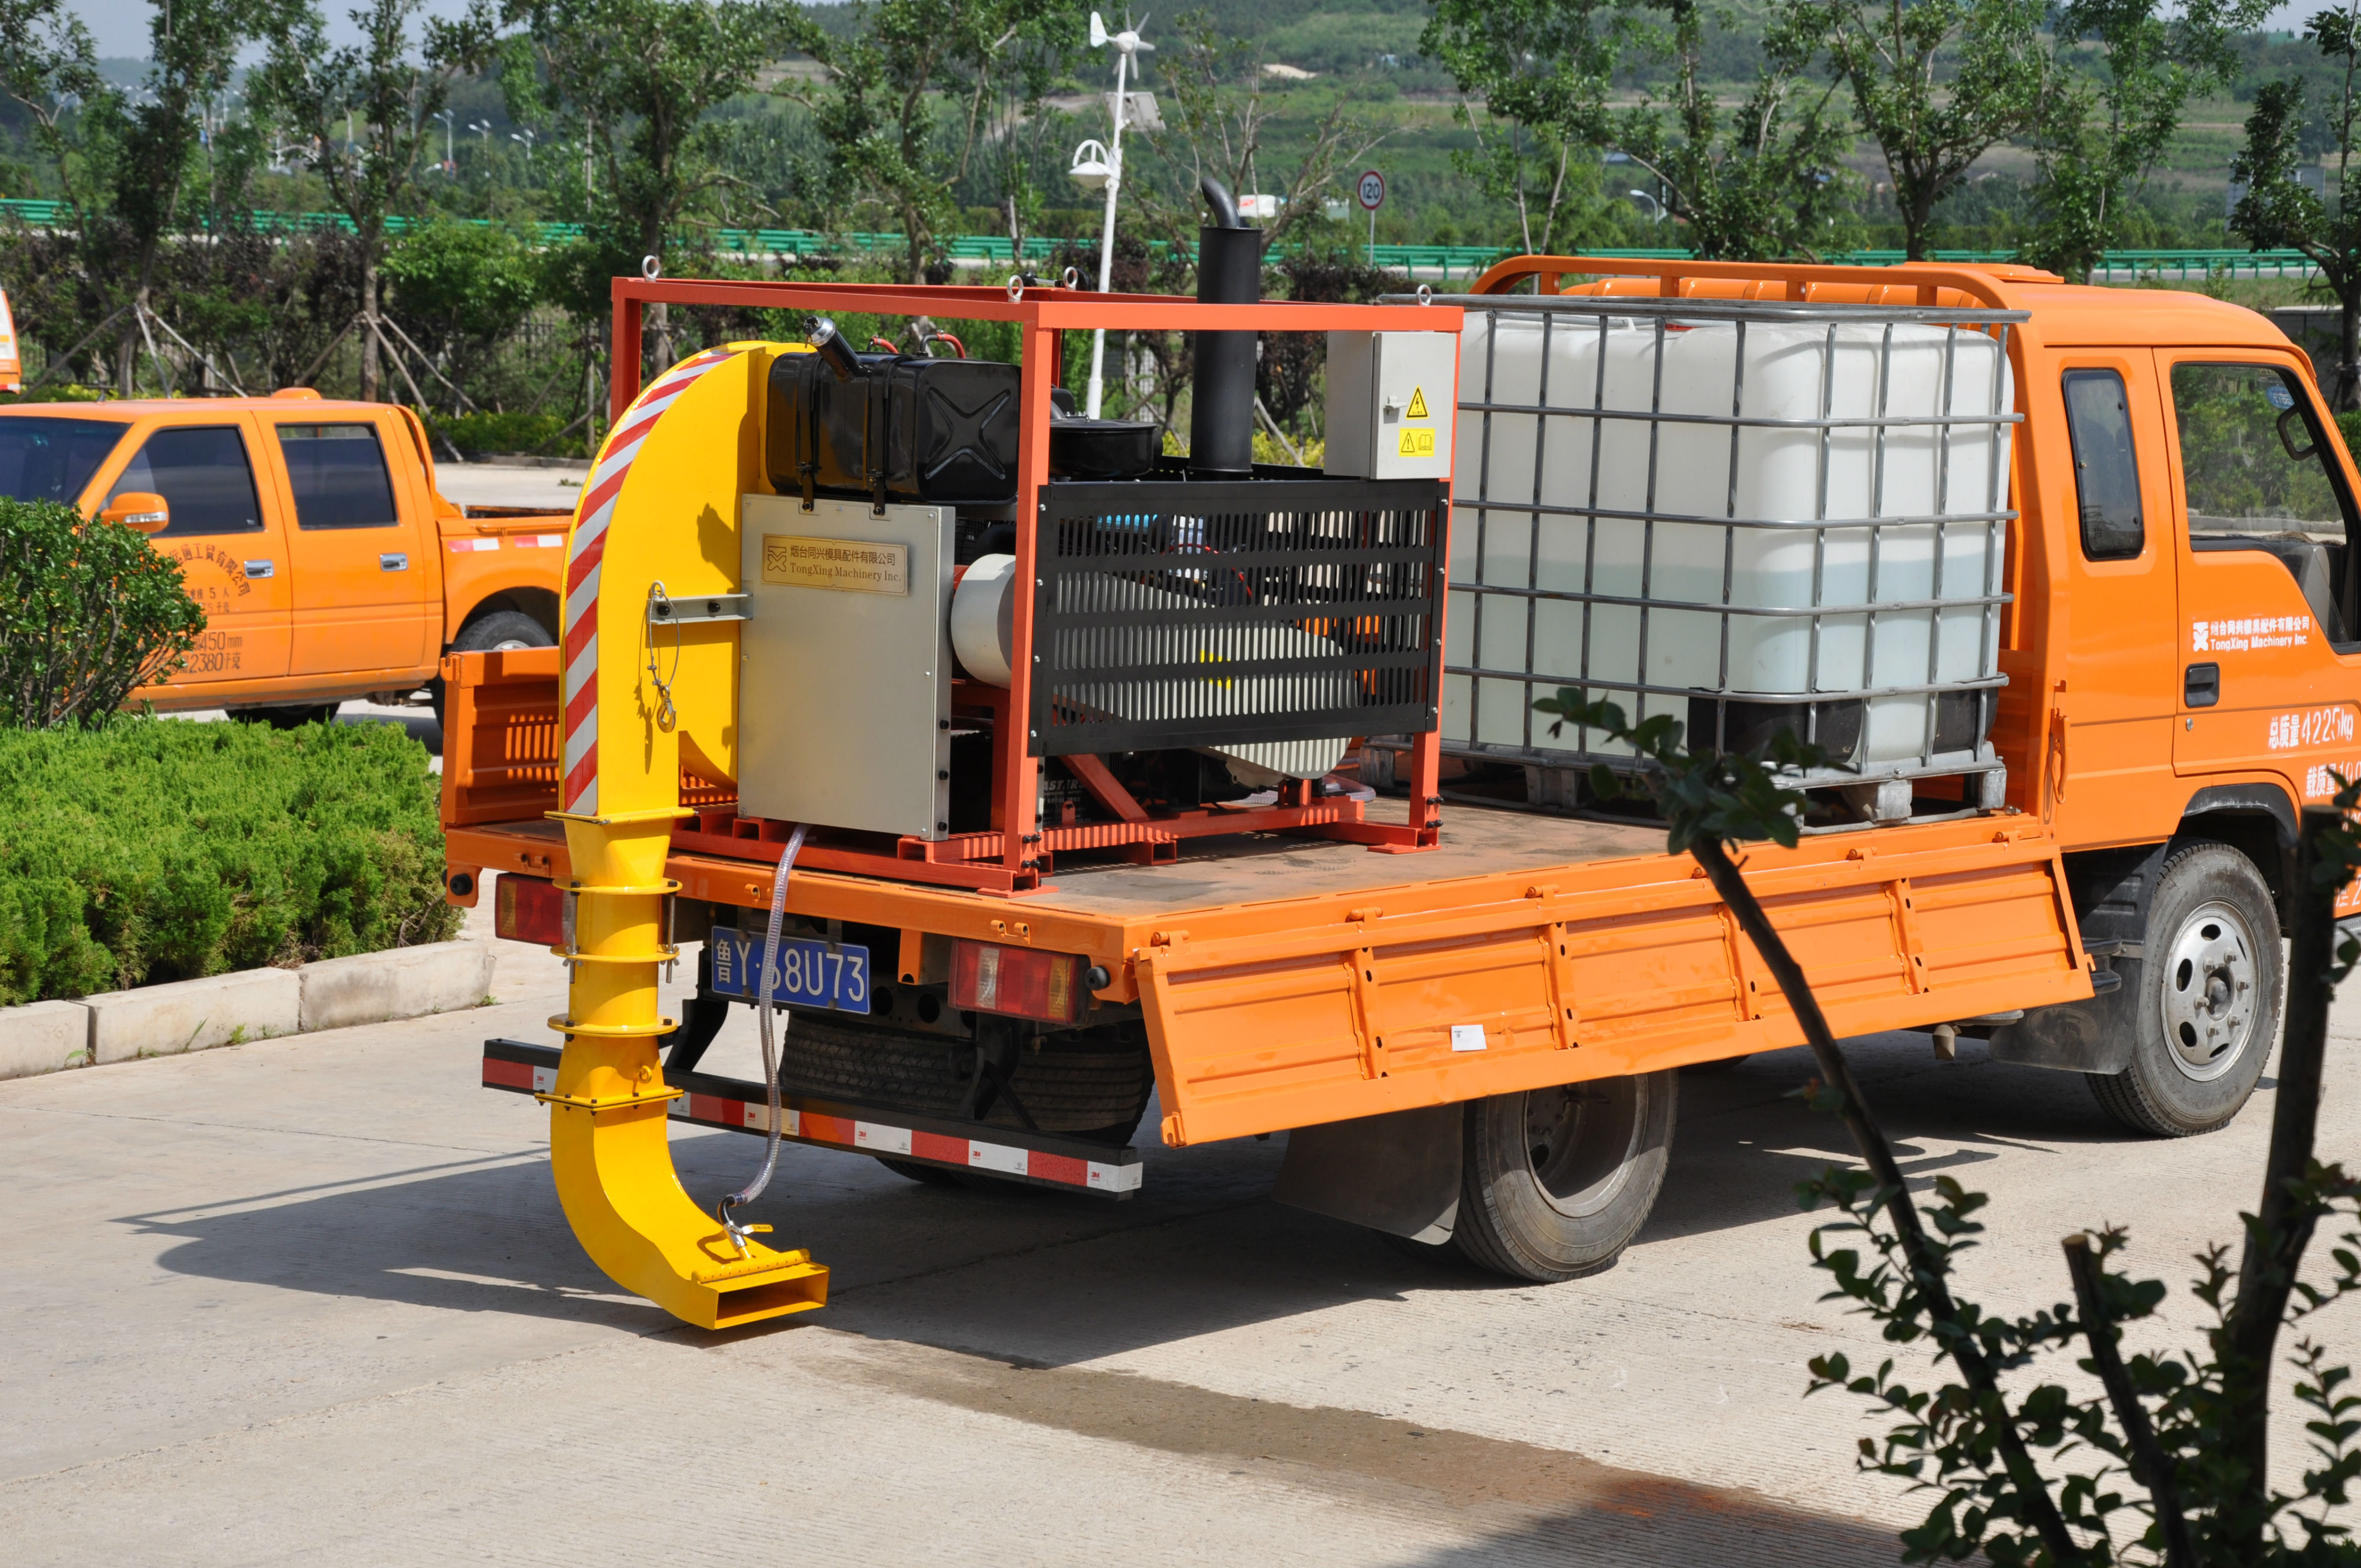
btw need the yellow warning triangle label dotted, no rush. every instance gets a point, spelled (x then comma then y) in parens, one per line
(1418, 404)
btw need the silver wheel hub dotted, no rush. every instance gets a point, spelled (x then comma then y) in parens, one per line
(1580, 1140)
(2208, 998)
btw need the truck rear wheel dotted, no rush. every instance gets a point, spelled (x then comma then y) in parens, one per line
(1557, 1182)
(497, 632)
(2207, 1007)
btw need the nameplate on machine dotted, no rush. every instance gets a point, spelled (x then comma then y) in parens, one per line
(844, 566)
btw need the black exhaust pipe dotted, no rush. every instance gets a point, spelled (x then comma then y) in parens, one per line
(1229, 272)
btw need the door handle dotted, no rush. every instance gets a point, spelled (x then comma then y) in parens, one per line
(257, 568)
(2202, 685)
(393, 562)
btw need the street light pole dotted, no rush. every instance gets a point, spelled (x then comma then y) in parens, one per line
(1127, 44)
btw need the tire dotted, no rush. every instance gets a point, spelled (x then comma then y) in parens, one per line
(496, 633)
(1090, 1083)
(2206, 1003)
(1557, 1182)
(292, 715)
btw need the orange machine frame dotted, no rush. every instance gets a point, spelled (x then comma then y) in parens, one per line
(1018, 851)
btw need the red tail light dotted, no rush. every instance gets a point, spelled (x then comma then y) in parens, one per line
(1019, 981)
(529, 909)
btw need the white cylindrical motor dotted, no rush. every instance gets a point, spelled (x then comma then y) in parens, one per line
(983, 620)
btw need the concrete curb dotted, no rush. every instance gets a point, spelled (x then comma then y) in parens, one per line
(251, 1004)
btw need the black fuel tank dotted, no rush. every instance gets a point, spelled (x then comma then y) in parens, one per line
(898, 428)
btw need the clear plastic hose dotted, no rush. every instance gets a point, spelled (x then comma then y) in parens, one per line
(753, 1189)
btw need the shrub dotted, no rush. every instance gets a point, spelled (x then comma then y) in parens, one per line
(498, 431)
(88, 611)
(152, 850)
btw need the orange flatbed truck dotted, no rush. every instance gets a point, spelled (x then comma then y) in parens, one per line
(311, 532)
(1467, 1008)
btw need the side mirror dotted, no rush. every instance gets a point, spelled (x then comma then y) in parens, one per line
(142, 509)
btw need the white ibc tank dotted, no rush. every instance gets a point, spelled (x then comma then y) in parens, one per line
(1743, 498)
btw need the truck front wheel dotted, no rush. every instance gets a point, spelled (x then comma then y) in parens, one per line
(1557, 1182)
(2207, 1006)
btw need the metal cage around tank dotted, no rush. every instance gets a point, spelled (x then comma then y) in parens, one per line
(1491, 504)
(1274, 610)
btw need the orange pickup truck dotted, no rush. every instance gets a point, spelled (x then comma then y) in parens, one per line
(311, 531)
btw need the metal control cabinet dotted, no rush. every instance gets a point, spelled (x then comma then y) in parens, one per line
(1391, 404)
(844, 683)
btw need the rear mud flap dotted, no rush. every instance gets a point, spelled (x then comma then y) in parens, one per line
(1398, 1173)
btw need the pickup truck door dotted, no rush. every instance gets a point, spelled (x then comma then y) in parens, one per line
(2118, 702)
(2263, 521)
(227, 535)
(359, 544)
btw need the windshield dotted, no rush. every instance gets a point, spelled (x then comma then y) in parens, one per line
(52, 459)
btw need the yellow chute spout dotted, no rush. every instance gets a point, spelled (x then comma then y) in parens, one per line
(687, 451)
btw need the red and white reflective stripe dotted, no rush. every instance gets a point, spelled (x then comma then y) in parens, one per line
(876, 1137)
(537, 542)
(498, 1074)
(580, 639)
(463, 546)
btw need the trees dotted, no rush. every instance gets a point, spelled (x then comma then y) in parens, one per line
(390, 96)
(2100, 134)
(887, 86)
(1934, 83)
(1767, 180)
(1542, 69)
(1217, 109)
(192, 49)
(2277, 212)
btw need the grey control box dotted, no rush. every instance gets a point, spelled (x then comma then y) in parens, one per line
(844, 683)
(1392, 407)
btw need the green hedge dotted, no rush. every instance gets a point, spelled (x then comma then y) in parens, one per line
(156, 850)
(498, 431)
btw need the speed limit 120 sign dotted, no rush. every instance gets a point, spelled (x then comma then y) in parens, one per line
(1372, 189)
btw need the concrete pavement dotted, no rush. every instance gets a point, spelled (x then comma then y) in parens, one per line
(312, 1300)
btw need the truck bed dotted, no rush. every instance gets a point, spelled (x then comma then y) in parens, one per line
(1287, 982)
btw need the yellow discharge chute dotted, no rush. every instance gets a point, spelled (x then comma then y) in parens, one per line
(660, 512)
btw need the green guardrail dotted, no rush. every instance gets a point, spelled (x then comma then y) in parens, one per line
(2119, 266)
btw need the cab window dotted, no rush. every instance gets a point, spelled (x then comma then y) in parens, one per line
(203, 474)
(2256, 475)
(338, 474)
(45, 459)
(2106, 465)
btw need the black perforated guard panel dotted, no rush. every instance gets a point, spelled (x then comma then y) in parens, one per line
(1222, 613)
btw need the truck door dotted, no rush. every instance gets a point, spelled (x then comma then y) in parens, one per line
(2265, 522)
(2119, 697)
(360, 569)
(231, 547)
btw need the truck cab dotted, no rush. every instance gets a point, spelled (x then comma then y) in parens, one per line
(311, 534)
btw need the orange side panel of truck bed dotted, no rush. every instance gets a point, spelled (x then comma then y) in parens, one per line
(1607, 967)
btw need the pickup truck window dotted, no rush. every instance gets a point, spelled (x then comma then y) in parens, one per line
(338, 474)
(204, 475)
(52, 459)
(2106, 466)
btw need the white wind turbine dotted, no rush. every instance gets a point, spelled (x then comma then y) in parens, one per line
(1095, 166)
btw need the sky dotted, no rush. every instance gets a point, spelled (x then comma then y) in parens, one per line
(121, 26)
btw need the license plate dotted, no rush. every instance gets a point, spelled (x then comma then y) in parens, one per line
(805, 974)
